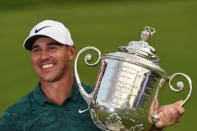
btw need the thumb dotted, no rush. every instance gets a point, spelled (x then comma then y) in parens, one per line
(154, 106)
(178, 103)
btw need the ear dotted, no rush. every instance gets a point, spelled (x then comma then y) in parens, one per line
(72, 52)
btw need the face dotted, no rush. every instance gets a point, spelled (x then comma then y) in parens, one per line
(51, 60)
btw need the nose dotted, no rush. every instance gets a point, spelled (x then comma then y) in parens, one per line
(44, 56)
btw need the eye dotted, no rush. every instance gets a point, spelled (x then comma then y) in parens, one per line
(52, 47)
(34, 50)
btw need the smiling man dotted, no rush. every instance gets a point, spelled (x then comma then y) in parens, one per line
(56, 104)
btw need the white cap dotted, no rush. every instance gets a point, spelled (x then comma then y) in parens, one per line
(49, 28)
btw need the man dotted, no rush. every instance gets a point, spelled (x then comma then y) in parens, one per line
(55, 102)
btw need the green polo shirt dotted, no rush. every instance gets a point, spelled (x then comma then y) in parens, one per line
(34, 113)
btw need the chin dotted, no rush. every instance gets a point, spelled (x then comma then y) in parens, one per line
(47, 79)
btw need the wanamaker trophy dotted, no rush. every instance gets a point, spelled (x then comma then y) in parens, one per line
(127, 83)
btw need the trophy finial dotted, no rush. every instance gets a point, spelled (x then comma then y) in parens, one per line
(147, 33)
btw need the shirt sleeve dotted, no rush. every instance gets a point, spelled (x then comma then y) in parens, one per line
(6, 122)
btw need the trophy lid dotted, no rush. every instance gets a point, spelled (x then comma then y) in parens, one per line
(140, 53)
(142, 48)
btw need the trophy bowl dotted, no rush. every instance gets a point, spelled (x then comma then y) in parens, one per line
(128, 82)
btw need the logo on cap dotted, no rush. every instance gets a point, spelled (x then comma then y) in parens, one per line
(37, 30)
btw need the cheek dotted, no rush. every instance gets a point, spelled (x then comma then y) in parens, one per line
(62, 57)
(33, 62)
(63, 61)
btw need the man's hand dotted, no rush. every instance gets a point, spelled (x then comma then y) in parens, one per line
(168, 114)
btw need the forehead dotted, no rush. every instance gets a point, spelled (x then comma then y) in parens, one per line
(45, 41)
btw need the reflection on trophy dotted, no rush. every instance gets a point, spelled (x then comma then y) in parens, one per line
(128, 82)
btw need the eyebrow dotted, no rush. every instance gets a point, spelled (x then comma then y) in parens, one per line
(49, 43)
(54, 43)
(34, 46)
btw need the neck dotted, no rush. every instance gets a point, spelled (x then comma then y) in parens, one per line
(57, 92)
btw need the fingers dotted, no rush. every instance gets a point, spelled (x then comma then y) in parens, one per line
(179, 107)
(181, 110)
(170, 114)
(167, 117)
(178, 103)
(173, 114)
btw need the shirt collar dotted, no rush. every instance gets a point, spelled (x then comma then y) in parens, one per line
(39, 95)
(41, 98)
(75, 91)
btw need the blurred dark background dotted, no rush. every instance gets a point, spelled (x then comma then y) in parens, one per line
(105, 25)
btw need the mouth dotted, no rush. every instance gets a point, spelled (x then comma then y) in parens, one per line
(46, 66)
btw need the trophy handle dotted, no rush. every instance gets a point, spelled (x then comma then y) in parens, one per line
(87, 96)
(180, 85)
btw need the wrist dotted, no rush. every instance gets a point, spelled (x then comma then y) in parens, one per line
(154, 128)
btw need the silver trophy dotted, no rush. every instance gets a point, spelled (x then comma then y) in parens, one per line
(128, 82)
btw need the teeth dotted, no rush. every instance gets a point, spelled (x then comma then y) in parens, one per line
(47, 66)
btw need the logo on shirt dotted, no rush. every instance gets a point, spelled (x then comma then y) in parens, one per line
(82, 111)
